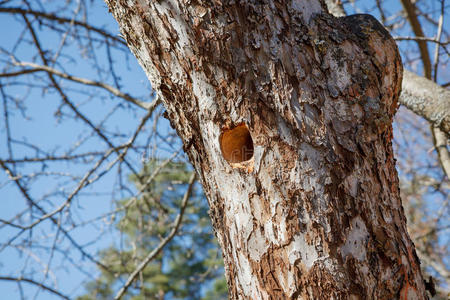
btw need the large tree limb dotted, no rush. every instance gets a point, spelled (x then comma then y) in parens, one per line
(427, 99)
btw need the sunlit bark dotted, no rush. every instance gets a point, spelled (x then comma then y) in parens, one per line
(285, 112)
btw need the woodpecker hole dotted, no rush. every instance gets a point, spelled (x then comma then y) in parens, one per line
(236, 144)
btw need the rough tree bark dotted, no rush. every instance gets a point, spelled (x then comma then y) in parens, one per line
(419, 94)
(285, 112)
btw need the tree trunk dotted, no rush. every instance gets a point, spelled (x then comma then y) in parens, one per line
(285, 112)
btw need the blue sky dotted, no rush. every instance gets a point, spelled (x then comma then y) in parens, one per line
(40, 127)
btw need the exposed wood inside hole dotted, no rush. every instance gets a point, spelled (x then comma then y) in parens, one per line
(236, 144)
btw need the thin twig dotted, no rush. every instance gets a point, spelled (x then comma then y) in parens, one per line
(52, 158)
(68, 102)
(54, 17)
(420, 38)
(112, 90)
(30, 200)
(85, 181)
(163, 243)
(31, 281)
(438, 39)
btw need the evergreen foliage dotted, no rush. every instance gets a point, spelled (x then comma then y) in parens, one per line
(189, 267)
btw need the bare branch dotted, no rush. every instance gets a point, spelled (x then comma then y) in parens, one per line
(52, 158)
(438, 38)
(163, 243)
(21, 72)
(441, 142)
(39, 284)
(66, 99)
(25, 193)
(112, 90)
(420, 38)
(410, 9)
(54, 17)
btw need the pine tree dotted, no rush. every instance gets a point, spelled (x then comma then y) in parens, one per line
(189, 267)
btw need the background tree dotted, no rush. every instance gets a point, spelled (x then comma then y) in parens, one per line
(65, 69)
(186, 265)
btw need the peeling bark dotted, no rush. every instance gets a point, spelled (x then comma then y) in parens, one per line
(313, 210)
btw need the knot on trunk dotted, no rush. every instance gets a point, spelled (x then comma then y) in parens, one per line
(384, 68)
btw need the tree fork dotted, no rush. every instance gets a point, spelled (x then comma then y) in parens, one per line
(287, 112)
